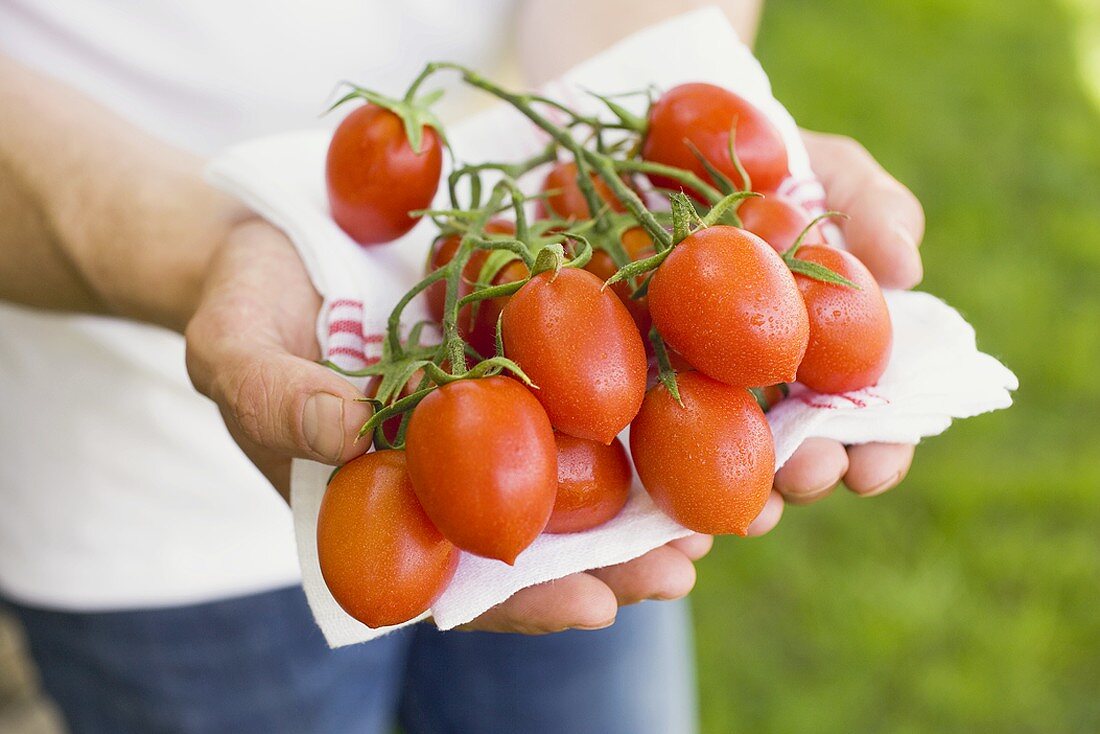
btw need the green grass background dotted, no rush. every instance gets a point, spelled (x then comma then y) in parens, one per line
(969, 598)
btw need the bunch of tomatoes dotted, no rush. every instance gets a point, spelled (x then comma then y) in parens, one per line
(654, 245)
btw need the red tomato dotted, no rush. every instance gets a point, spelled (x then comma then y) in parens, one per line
(850, 330)
(708, 465)
(578, 343)
(443, 250)
(705, 114)
(638, 245)
(375, 179)
(380, 556)
(570, 203)
(778, 221)
(593, 484)
(483, 463)
(728, 303)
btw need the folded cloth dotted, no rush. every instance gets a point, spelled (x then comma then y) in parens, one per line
(936, 372)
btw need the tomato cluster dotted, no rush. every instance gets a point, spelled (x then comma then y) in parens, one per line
(566, 308)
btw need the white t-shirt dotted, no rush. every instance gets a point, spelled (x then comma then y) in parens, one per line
(119, 485)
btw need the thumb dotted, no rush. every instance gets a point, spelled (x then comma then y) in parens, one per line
(292, 406)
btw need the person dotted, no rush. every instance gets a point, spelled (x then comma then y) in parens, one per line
(148, 559)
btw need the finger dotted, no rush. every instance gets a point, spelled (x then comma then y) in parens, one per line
(288, 405)
(813, 471)
(579, 601)
(874, 468)
(886, 221)
(694, 546)
(663, 573)
(768, 517)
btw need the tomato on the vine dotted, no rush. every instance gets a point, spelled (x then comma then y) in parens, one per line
(579, 345)
(638, 245)
(568, 201)
(483, 463)
(778, 221)
(380, 555)
(593, 483)
(850, 330)
(709, 464)
(726, 301)
(375, 179)
(704, 114)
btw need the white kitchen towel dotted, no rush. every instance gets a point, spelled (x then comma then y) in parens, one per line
(936, 372)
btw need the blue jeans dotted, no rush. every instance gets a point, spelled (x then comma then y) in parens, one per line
(258, 664)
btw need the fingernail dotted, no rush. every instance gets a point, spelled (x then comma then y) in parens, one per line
(597, 626)
(808, 497)
(903, 233)
(323, 425)
(882, 486)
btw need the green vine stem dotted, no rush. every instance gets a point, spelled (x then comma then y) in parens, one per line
(509, 170)
(393, 348)
(517, 246)
(683, 213)
(812, 269)
(725, 185)
(793, 249)
(680, 175)
(518, 199)
(453, 344)
(496, 291)
(576, 118)
(727, 207)
(602, 164)
(746, 182)
(665, 373)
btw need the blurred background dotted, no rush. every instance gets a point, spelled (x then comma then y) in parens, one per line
(968, 599)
